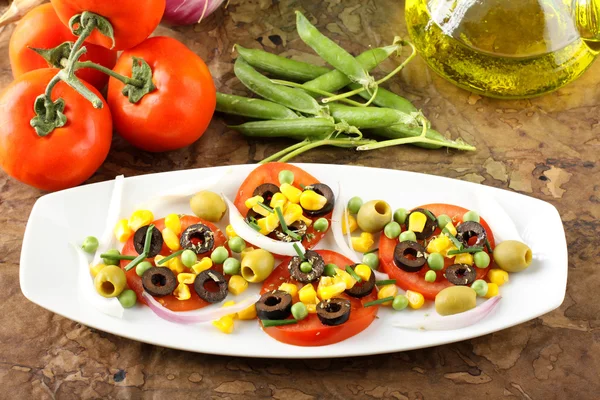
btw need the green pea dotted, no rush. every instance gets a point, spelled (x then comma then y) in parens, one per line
(189, 258)
(330, 270)
(142, 267)
(443, 220)
(354, 204)
(372, 260)
(306, 267)
(400, 302)
(90, 244)
(400, 215)
(237, 244)
(299, 311)
(480, 287)
(430, 276)
(219, 255)
(482, 259)
(471, 216)
(435, 261)
(408, 236)
(111, 261)
(231, 266)
(127, 298)
(286, 176)
(321, 225)
(392, 230)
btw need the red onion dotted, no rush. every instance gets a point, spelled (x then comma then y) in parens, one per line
(188, 12)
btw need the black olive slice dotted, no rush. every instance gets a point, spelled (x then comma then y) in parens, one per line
(409, 256)
(198, 238)
(266, 191)
(469, 229)
(325, 191)
(159, 281)
(460, 274)
(298, 227)
(429, 227)
(276, 304)
(205, 293)
(362, 288)
(156, 243)
(318, 266)
(334, 311)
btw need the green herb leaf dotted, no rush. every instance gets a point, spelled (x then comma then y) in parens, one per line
(170, 256)
(298, 251)
(464, 251)
(117, 257)
(266, 207)
(386, 282)
(429, 215)
(377, 302)
(353, 274)
(268, 323)
(453, 238)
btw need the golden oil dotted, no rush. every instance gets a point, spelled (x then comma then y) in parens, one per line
(501, 48)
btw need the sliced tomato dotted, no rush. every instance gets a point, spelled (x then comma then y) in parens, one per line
(416, 280)
(310, 331)
(171, 302)
(269, 173)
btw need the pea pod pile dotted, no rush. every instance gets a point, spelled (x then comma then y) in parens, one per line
(299, 102)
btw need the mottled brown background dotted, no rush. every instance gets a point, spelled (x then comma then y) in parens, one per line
(547, 148)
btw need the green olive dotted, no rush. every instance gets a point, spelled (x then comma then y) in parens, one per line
(455, 299)
(110, 281)
(208, 205)
(512, 256)
(257, 265)
(374, 215)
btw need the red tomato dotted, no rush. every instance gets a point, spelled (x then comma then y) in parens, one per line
(171, 302)
(415, 281)
(40, 28)
(67, 156)
(178, 112)
(269, 173)
(310, 331)
(132, 20)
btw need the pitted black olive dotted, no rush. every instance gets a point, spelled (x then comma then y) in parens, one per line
(325, 191)
(430, 224)
(159, 281)
(276, 305)
(198, 238)
(318, 266)
(156, 243)
(409, 256)
(298, 227)
(206, 278)
(460, 274)
(266, 191)
(469, 229)
(334, 311)
(362, 288)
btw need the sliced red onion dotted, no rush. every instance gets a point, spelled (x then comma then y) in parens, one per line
(336, 227)
(112, 217)
(188, 12)
(205, 315)
(451, 322)
(257, 239)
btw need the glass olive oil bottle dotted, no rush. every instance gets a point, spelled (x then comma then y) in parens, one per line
(506, 48)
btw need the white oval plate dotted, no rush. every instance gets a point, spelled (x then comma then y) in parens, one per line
(49, 266)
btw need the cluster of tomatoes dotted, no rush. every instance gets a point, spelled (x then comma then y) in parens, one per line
(174, 114)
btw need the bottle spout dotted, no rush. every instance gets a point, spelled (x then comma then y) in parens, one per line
(586, 14)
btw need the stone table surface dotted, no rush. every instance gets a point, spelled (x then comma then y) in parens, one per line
(546, 147)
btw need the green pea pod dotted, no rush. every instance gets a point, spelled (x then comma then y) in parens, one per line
(301, 128)
(331, 52)
(388, 99)
(401, 131)
(280, 66)
(371, 117)
(252, 108)
(295, 99)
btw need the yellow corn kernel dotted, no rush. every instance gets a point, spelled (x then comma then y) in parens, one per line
(492, 290)
(352, 225)
(307, 294)
(182, 292)
(346, 278)
(363, 243)
(327, 292)
(312, 308)
(171, 239)
(364, 271)
(176, 265)
(248, 313)
(262, 223)
(96, 268)
(260, 210)
(278, 200)
(497, 276)
(186, 277)
(230, 232)
(292, 213)
(417, 221)
(451, 228)
(290, 288)
(311, 200)
(252, 201)
(306, 220)
(387, 291)
(173, 222)
(229, 304)
(122, 231)
(465, 258)
(204, 264)
(272, 221)
(439, 245)
(415, 299)
(224, 324)
(291, 193)
(140, 218)
(237, 285)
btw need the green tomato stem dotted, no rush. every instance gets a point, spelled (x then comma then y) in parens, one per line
(125, 79)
